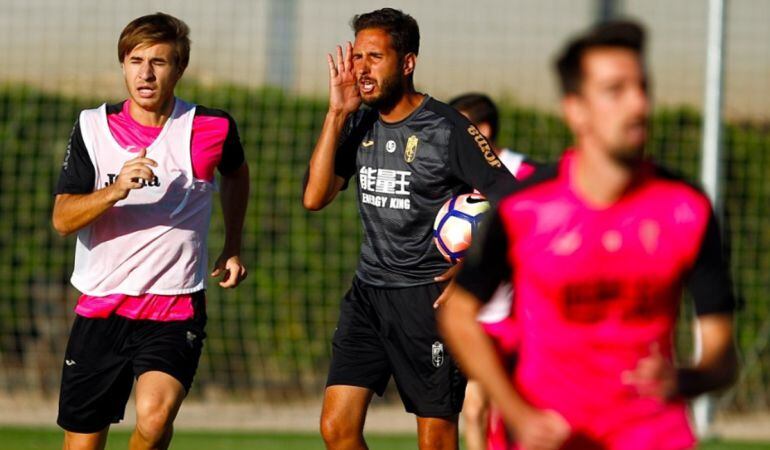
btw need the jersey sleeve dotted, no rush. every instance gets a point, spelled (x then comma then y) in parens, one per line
(77, 174)
(486, 264)
(472, 160)
(709, 281)
(355, 129)
(232, 149)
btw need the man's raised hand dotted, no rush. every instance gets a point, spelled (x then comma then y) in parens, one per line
(344, 97)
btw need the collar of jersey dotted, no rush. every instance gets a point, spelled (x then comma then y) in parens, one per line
(407, 118)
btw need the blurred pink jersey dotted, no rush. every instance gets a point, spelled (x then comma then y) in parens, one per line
(594, 288)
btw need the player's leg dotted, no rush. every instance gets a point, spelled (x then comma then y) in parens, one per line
(437, 433)
(96, 382)
(165, 359)
(429, 382)
(475, 416)
(359, 368)
(85, 441)
(158, 398)
(343, 416)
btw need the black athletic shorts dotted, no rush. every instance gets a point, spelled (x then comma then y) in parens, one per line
(383, 332)
(104, 356)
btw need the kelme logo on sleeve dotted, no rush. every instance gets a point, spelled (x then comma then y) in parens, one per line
(484, 147)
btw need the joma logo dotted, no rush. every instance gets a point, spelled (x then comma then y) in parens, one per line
(113, 177)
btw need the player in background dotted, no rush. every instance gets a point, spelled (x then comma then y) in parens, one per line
(598, 248)
(409, 154)
(495, 316)
(136, 186)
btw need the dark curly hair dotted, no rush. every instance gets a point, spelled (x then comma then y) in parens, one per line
(402, 28)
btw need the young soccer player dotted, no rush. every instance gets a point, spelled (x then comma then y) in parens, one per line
(598, 248)
(136, 185)
(410, 154)
(495, 316)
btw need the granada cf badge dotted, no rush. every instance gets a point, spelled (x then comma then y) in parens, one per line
(437, 354)
(411, 148)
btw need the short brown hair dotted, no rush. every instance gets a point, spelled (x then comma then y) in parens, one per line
(619, 34)
(155, 29)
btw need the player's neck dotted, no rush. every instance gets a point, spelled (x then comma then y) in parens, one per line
(150, 118)
(405, 106)
(601, 180)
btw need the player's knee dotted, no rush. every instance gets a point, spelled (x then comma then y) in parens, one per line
(335, 431)
(438, 434)
(78, 441)
(473, 412)
(438, 442)
(154, 422)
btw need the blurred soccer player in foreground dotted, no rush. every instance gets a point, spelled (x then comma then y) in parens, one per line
(136, 185)
(599, 247)
(495, 316)
(410, 154)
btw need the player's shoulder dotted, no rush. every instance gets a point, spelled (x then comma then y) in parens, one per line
(676, 186)
(90, 118)
(202, 111)
(540, 176)
(95, 110)
(450, 115)
(111, 108)
(213, 121)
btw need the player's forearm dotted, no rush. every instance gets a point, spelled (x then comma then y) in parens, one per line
(72, 212)
(321, 180)
(692, 382)
(718, 365)
(477, 356)
(234, 194)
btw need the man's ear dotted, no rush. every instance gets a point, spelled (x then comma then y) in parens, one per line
(574, 111)
(410, 61)
(485, 129)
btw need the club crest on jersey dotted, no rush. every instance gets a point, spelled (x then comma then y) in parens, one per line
(390, 146)
(437, 354)
(410, 152)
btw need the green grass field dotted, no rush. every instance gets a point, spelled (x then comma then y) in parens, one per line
(16, 438)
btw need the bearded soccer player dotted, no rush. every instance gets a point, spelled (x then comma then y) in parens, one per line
(598, 248)
(410, 154)
(136, 185)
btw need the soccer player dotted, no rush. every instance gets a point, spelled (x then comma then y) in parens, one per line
(495, 316)
(410, 154)
(136, 185)
(598, 248)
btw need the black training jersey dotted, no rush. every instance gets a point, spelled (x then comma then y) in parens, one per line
(405, 171)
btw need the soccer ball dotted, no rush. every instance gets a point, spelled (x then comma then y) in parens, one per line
(455, 224)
